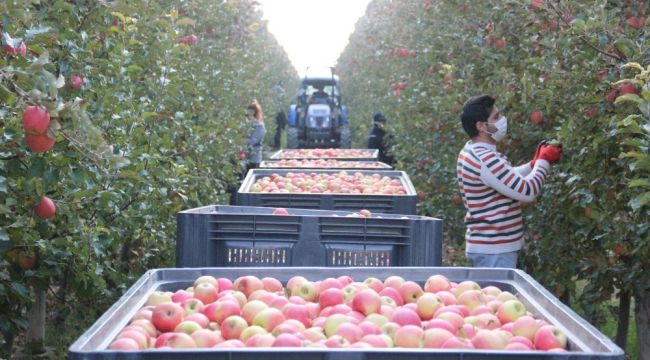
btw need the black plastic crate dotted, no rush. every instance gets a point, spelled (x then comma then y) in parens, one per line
(392, 204)
(584, 340)
(333, 164)
(242, 236)
(370, 154)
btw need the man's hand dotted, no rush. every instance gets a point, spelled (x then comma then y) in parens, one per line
(539, 147)
(550, 153)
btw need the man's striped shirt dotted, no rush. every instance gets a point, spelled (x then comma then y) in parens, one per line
(492, 192)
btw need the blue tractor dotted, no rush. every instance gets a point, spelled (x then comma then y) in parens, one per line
(317, 119)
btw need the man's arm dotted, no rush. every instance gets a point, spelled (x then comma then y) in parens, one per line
(499, 175)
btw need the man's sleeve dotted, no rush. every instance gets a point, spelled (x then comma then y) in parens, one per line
(499, 175)
(524, 169)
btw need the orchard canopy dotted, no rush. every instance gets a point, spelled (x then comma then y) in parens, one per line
(123, 113)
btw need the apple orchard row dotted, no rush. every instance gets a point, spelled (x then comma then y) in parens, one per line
(335, 313)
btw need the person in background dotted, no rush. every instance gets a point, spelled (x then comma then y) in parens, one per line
(281, 123)
(254, 139)
(378, 138)
(256, 134)
(492, 190)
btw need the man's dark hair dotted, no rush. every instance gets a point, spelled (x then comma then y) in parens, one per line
(378, 117)
(477, 108)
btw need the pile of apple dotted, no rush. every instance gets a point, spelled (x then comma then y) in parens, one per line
(323, 164)
(326, 153)
(335, 313)
(329, 183)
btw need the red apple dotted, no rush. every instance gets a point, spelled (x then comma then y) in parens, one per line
(191, 306)
(167, 316)
(427, 305)
(251, 331)
(280, 211)
(187, 326)
(205, 338)
(45, 208)
(140, 337)
(434, 337)
(39, 143)
(627, 88)
(548, 337)
(510, 311)
(206, 292)
(272, 284)
(75, 82)
(409, 336)
(248, 284)
(232, 327)
(36, 120)
(269, 318)
(403, 316)
(488, 339)
(366, 302)
(410, 291)
(175, 340)
(537, 117)
(287, 340)
(260, 340)
(124, 344)
(219, 310)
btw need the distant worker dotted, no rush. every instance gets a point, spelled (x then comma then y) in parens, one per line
(378, 138)
(255, 135)
(281, 124)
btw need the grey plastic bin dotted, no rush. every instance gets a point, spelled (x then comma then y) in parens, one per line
(585, 341)
(372, 155)
(392, 204)
(226, 236)
(339, 165)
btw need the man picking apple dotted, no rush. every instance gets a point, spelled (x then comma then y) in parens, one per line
(492, 190)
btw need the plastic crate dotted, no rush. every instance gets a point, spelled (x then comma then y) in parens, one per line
(392, 204)
(331, 164)
(236, 236)
(369, 154)
(584, 341)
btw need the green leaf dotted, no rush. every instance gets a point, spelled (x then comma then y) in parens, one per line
(35, 30)
(40, 62)
(626, 46)
(186, 21)
(629, 98)
(639, 182)
(7, 97)
(640, 201)
(20, 289)
(3, 184)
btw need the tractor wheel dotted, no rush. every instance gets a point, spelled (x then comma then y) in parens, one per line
(292, 138)
(346, 138)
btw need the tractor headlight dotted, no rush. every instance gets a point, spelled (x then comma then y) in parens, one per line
(326, 122)
(311, 122)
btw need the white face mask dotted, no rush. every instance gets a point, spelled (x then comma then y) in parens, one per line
(502, 129)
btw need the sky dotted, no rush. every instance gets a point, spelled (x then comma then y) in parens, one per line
(312, 32)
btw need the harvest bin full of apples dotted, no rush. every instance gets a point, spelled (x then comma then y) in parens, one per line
(339, 154)
(340, 313)
(324, 164)
(381, 191)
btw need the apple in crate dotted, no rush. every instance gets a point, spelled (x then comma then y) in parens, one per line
(280, 211)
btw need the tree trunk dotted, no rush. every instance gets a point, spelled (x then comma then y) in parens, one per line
(642, 310)
(623, 318)
(36, 331)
